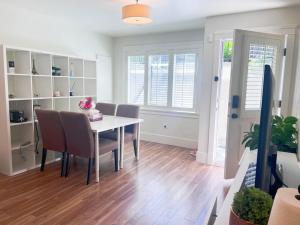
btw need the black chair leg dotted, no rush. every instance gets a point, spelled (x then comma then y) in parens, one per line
(135, 147)
(94, 162)
(89, 171)
(62, 172)
(116, 160)
(44, 156)
(67, 165)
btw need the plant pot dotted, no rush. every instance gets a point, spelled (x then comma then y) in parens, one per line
(236, 220)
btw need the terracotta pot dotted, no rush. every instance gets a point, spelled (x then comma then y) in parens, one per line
(236, 220)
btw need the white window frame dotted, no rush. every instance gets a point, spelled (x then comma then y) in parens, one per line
(171, 50)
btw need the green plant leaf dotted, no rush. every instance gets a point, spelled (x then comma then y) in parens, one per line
(284, 134)
(291, 120)
(253, 205)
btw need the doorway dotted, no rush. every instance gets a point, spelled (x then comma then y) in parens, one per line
(223, 83)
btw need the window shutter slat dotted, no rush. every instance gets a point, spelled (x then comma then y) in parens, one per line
(183, 80)
(259, 56)
(158, 77)
(136, 73)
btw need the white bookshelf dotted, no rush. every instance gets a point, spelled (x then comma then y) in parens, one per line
(22, 90)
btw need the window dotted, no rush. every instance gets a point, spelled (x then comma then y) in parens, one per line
(136, 74)
(259, 55)
(158, 80)
(183, 80)
(163, 80)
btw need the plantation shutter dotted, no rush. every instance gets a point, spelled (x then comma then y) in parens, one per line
(183, 80)
(158, 80)
(136, 74)
(259, 56)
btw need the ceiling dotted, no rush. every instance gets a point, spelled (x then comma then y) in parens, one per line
(104, 16)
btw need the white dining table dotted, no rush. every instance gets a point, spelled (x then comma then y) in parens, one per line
(110, 123)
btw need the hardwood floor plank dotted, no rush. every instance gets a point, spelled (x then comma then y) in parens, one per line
(167, 186)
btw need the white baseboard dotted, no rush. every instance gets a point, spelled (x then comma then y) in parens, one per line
(169, 140)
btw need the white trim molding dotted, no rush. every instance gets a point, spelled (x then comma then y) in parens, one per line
(201, 157)
(170, 140)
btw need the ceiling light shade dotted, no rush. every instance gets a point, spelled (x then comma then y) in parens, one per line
(136, 14)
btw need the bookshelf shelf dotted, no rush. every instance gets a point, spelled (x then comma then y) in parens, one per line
(56, 76)
(19, 124)
(19, 74)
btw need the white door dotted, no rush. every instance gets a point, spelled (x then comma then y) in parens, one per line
(251, 52)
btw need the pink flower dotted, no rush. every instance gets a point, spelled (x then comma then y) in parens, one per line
(86, 103)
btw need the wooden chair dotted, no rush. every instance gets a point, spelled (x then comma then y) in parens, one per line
(80, 140)
(106, 108)
(53, 135)
(130, 135)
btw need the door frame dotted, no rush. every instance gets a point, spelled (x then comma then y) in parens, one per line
(289, 72)
(217, 58)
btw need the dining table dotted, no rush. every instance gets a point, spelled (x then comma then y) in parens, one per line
(110, 123)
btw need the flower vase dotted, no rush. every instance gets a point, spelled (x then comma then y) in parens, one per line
(87, 112)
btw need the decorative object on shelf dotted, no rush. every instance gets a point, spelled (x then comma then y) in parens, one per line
(87, 106)
(72, 70)
(11, 67)
(11, 96)
(284, 134)
(136, 13)
(17, 116)
(34, 71)
(34, 89)
(286, 208)
(56, 94)
(56, 71)
(72, 88)
(251, 206)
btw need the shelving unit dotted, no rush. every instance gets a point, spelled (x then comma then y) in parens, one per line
(22, 90)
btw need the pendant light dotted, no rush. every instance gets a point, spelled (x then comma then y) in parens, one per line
(136, 13)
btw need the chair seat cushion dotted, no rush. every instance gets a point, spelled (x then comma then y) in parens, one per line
(113, 135)
(107, 145)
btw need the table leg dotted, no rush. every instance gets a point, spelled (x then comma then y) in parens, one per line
(122, 147)
(97, 166)
(138, 140)
(119, 146)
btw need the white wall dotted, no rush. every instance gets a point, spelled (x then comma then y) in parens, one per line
(181, 129)
(29, 29)
(284, 17)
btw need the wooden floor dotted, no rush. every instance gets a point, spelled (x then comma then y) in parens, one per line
(166, 186)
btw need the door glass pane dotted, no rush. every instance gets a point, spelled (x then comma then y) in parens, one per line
(158, 80)
(259, 56)
(183, 80)
(136, 73)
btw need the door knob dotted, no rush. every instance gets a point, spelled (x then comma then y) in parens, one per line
(234, 116)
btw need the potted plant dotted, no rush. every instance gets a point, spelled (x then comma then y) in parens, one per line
(284, 134)
(251, 206)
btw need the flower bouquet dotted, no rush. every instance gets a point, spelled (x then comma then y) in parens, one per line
(87, 106)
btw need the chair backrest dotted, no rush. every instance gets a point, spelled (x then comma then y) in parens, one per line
(131, 111)
(51, 128)
(79, 135)
(106, 108)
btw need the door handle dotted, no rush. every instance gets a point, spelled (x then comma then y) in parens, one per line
(234, 116)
